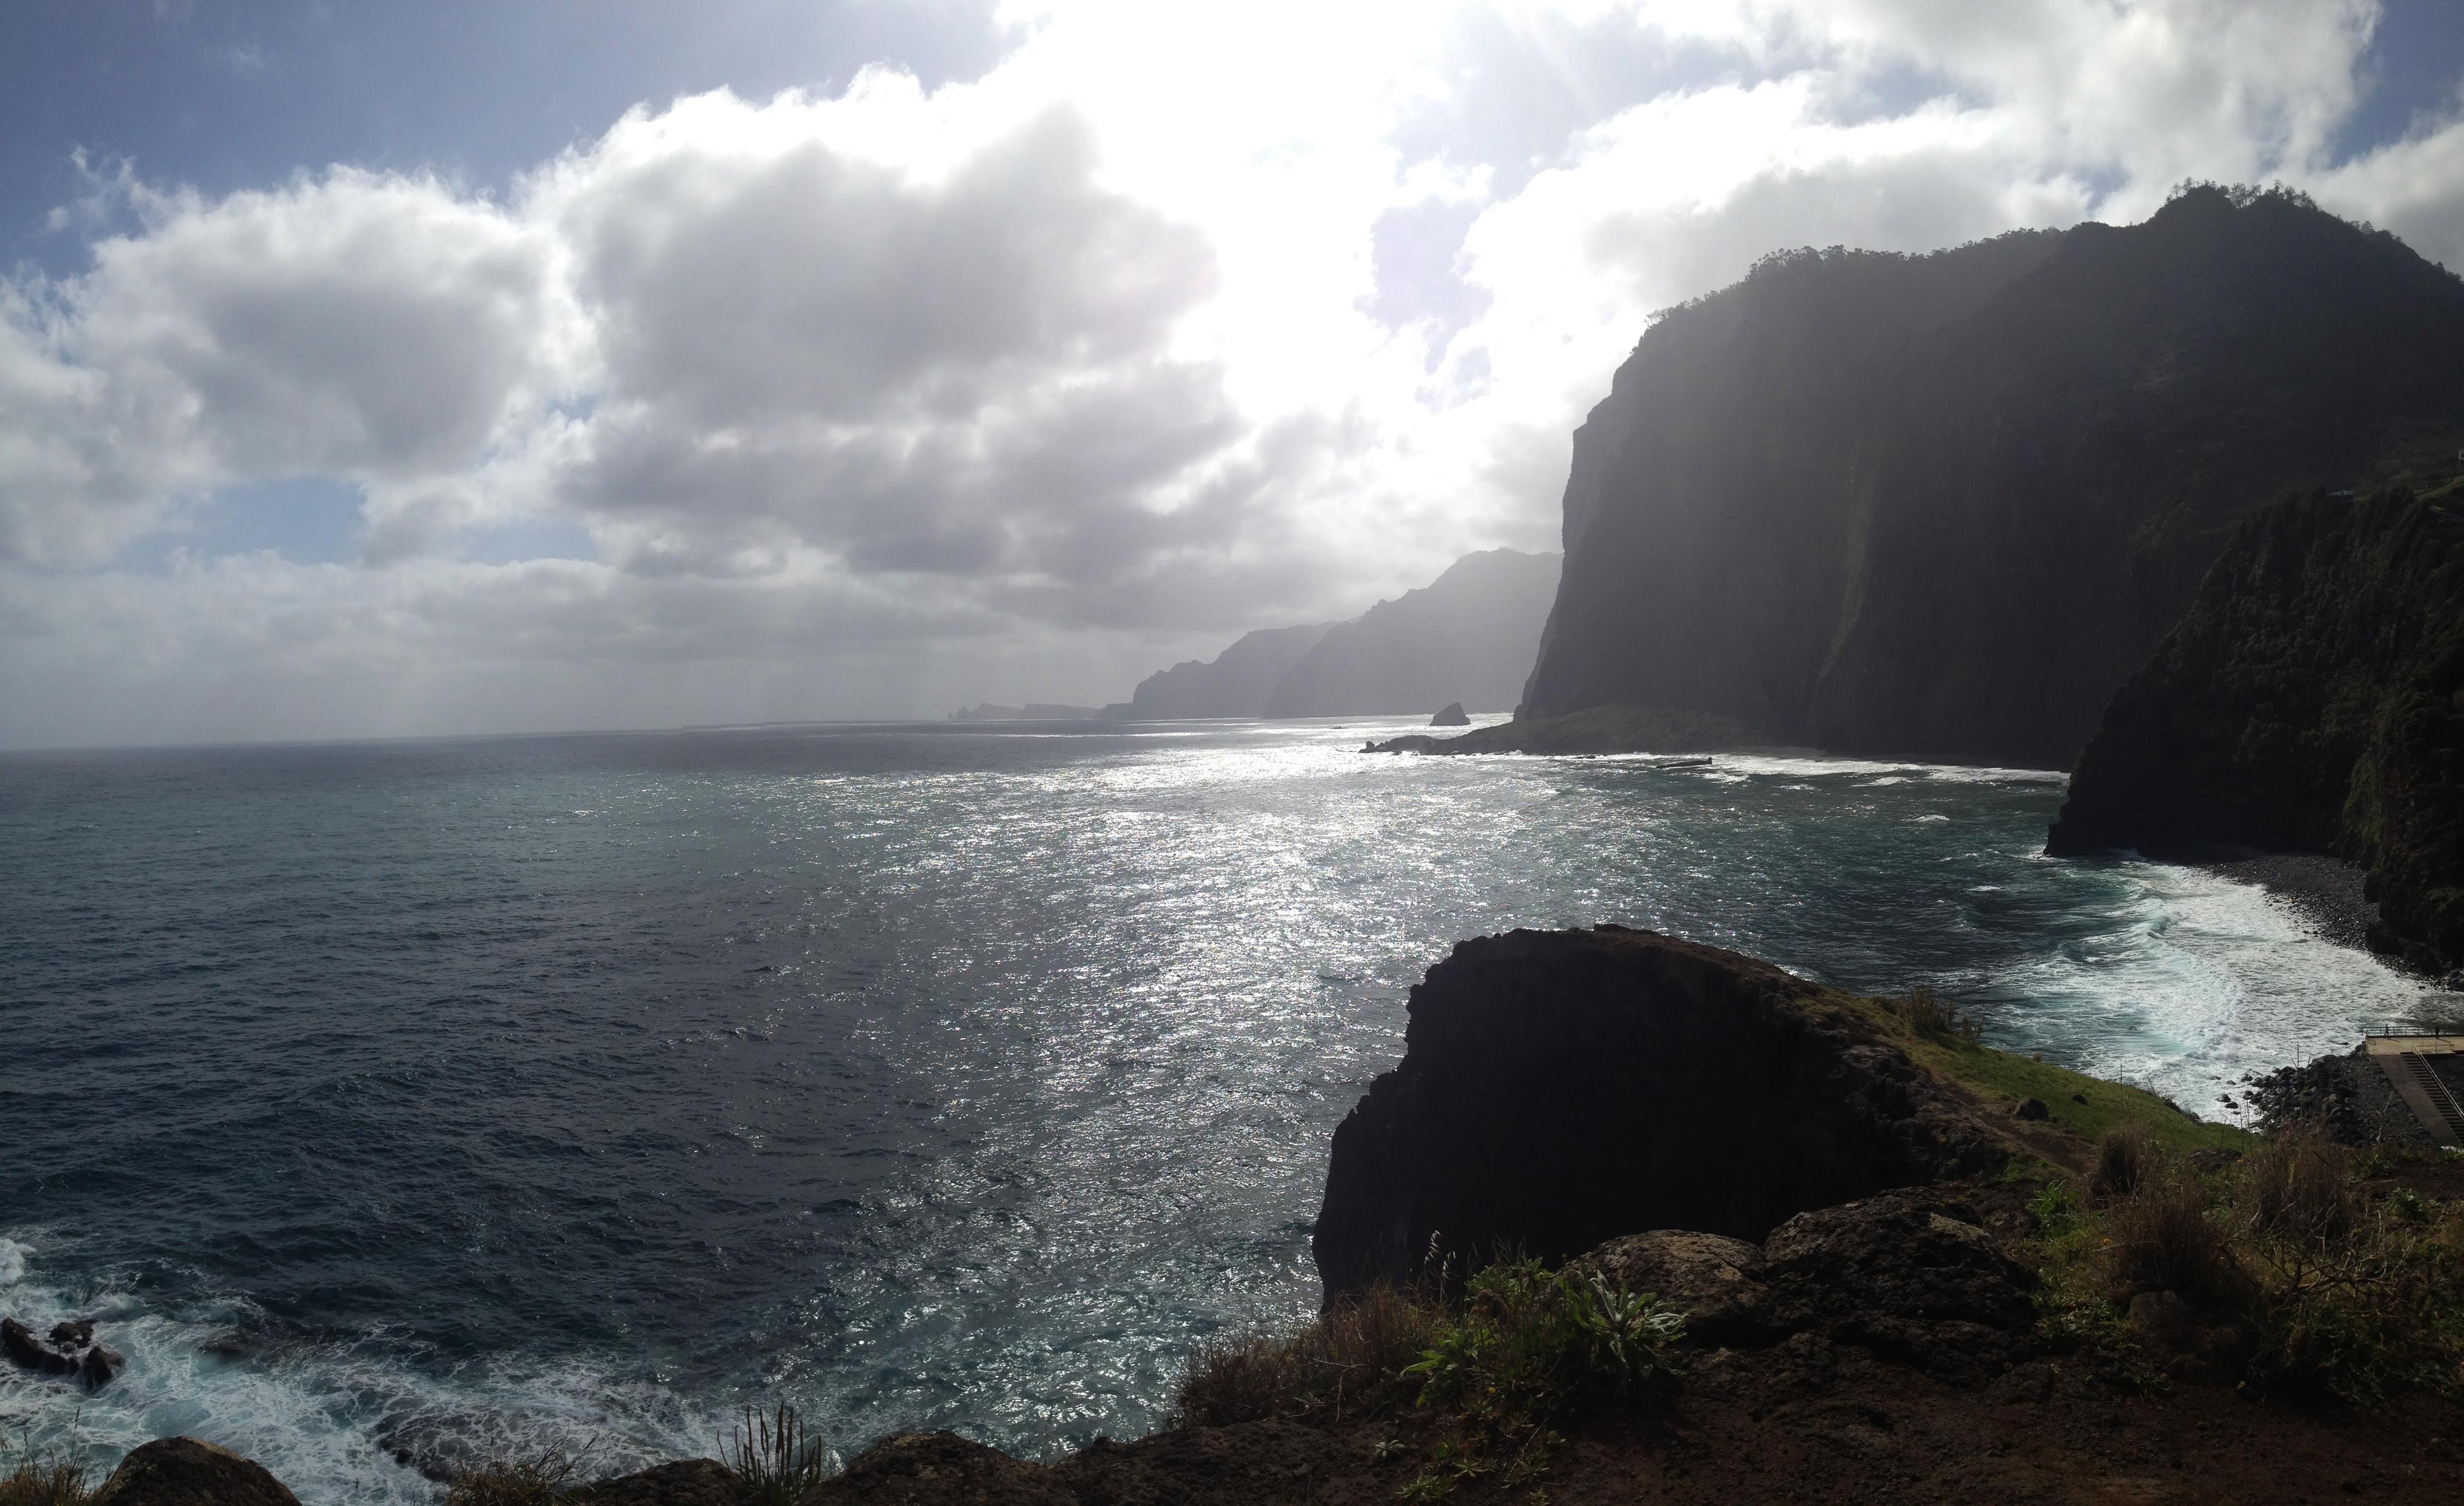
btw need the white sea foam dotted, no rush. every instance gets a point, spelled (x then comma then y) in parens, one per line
(2198, 980)
(13, 1262)
(323, 1416)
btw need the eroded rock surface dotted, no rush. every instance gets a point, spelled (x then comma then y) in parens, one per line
(190, 1471)
(938, 1469)
(686, 1482)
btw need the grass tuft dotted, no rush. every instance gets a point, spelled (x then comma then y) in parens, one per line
(45, 1480)
(1351, 1360)
(777, 1457)
(535, 1481)
(2123, 1159)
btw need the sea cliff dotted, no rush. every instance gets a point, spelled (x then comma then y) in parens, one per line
(2307, 702)
(1942, 506)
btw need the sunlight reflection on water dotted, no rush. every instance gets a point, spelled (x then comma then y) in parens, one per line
(924, 1077)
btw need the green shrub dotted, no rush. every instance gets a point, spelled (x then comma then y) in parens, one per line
(1529, 1347)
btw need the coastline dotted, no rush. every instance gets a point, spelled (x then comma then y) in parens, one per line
(2324, 893)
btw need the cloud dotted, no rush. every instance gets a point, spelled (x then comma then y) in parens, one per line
(1179, 321)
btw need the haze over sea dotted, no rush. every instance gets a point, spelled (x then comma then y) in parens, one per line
(465, 1098)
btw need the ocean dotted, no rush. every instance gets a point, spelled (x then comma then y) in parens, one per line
(451, 1100)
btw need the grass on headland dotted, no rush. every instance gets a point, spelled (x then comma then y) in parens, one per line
(1934, 1034)
(2296, 1267)
(1523, 1349)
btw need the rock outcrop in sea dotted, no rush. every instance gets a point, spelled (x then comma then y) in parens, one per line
(1942, 506)
(2307, 702)
(70, 1351)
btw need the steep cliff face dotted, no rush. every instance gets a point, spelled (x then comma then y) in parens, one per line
(1234, 682)
(1561, 1088)
(1942, 506)
(2312, 699)
(1469, 636)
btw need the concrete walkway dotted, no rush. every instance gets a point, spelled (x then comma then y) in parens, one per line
(2405, 1061)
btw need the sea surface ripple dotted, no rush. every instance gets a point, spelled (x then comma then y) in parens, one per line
(438, 1101)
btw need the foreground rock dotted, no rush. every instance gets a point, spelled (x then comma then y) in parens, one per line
(69, 1351)
(686, 1482)
(938, 1469)
(1599, 729)
(190, 1471)
(2306, 703)
(1559, 1089)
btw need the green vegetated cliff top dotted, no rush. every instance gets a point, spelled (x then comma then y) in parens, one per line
(2311, 699)
(2085, 1109)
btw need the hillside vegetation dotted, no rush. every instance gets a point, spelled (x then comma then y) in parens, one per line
(2312, 699)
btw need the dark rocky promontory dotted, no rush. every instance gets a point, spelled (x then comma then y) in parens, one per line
(1942, 506)
(2308, 702)
(1561, 1088)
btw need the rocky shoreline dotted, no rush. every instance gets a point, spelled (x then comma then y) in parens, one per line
(1869, 1222)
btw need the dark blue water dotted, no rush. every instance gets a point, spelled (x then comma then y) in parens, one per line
(462, 1098)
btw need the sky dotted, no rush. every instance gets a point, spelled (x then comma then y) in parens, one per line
(513, 366)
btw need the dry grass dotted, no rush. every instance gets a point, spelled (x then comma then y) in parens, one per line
(2347, 1293)
(2299, 1186)
(2164, 1240)
(1350, 1359)
(2123, 1159)
(44, 1482)
(528, 1482)
(1936, 1018)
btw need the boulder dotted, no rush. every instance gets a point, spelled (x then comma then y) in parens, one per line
(686, 1482)
(1453, 715)
(1714, 1280)
(1909, 1256)
(1559, 1089)
(190, 1471)
(938, 1469)
(68, 1350)
(2031, 1108)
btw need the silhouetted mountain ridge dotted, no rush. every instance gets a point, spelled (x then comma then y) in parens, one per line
(1467, 636)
